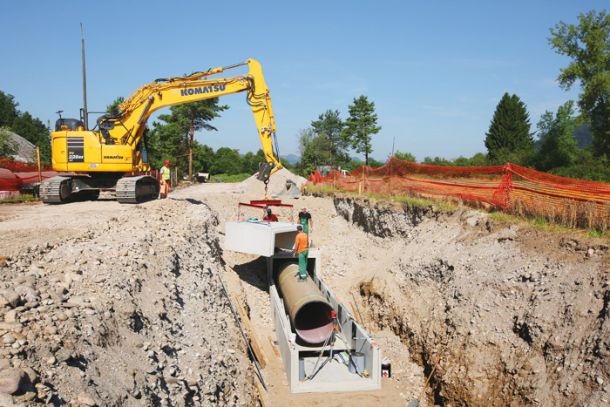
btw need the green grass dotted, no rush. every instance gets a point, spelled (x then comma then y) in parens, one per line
(598, 233)
(322, 189)
(403, 199)
(502, 217)
(229, 177)
(20, 199)
(541, 223)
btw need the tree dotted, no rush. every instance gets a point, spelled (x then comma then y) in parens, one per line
(8, 109)
(405, 156)
(330, 126)
(509, 137)
(250, 161)
(191, 117)
(436, 161)
(558, 147)
(586, 166)
(361, 125)
(479, 159)
(313, 149)
(226, 161)
(113, 108)
(203, 157)
(588, 45)
(173, 137)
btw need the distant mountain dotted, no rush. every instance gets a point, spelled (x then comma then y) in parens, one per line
(291, 158)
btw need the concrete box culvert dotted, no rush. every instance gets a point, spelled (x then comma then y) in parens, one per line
(309, 311)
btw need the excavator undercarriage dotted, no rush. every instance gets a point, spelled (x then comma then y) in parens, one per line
(71, 188)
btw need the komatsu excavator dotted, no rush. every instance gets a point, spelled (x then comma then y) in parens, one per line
(113, 154)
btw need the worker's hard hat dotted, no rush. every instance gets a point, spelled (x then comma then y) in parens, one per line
(167, 162)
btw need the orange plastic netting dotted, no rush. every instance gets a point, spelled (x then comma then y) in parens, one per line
(15, 174)
(509, 187)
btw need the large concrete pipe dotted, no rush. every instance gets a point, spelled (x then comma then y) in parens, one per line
(309, 310)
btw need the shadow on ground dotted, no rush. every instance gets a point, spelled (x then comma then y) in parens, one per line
(253, 272)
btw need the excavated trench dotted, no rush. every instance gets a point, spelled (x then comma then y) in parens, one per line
(495, 314)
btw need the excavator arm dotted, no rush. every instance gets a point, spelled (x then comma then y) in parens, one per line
(128, 127)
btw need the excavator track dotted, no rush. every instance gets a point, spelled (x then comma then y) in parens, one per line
(137, 189)
(55, 190)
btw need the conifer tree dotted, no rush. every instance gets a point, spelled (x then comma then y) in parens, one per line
(509, 137)
(361, 125)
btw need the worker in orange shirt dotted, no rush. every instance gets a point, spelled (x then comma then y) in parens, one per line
(301, 249)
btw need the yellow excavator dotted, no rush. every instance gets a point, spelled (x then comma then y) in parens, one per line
(113, 155)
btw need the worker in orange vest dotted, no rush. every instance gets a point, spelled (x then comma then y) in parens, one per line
(301, 249)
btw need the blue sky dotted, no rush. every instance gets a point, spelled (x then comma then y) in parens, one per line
(434, 69)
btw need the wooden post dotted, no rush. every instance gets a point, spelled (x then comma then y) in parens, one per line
(38, 161)
(363, 186)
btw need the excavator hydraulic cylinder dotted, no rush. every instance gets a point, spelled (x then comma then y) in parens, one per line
(309, 311)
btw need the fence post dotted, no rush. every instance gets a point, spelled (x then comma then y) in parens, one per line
(38, 161)
(363, 185)
(502, 195)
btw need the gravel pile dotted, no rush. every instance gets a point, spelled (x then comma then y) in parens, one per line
(128, 313)
(277, 183)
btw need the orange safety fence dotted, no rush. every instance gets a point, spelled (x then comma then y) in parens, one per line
(15, 174)
(510, 187)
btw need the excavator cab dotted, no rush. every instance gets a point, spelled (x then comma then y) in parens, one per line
(63, 124)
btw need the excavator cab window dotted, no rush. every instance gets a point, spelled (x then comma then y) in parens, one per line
(68, 124)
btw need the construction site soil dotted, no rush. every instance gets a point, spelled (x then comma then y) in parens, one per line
(121, 305)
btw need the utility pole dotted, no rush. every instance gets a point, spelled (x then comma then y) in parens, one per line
(85, 111)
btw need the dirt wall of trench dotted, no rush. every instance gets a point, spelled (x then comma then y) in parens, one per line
(497, 315)
(130, 312)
